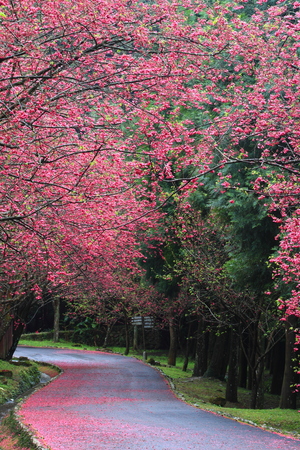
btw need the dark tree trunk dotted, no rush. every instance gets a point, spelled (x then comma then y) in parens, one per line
(20, 317)
(243, 366)
(257, 391)
(6, 335)
(201, 355)
(56, 307)
(253, 351)
(288, 397)
(233, 369)
(173, 343)
(187, 348)
(211, 346)
(219, 361)
(251, 360)
(257, 370)
(143, 333)
(135, 337)
(17, 332)
(277, 367)
(107, 334)
(127, 344)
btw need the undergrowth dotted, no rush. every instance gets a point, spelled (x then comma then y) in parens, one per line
(24, 376)
(23, 438)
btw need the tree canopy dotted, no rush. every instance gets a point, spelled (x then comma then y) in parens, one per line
(110, 112)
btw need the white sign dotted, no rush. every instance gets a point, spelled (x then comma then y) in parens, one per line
(147, 321)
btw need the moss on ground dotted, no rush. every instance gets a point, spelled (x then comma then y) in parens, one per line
(25, 374)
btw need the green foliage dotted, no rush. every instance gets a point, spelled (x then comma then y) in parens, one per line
(23, 378)
(29, 377)
(161, 254)
(84, 331)
(250, 6)
(248, 230)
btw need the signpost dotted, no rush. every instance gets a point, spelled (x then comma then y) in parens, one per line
(146, 322)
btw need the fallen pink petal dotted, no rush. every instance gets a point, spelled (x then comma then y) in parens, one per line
(107, 401)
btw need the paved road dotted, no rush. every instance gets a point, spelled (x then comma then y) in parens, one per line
(106, 401)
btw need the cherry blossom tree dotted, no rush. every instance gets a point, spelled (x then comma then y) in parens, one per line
(68, 183)
(103, 104)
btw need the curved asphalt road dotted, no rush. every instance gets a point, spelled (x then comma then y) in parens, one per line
(106, 401)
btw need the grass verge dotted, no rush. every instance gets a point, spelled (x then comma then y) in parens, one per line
(13, 436)
(16, 377)
(48, 343)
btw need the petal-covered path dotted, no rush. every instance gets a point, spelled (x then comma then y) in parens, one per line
(106, 401)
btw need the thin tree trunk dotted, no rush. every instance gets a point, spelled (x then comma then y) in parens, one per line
(257, 391)
(187, 348)
(243, 366)
(232, 382)
(135, 337)
(288, 397)
(143, 333)
(260, 402)
(126, 336)
(201, 356)
(108, 330)
(173, 343)
(219, 360)
(277, 368)
(253, 351)
(56, 307)
(252, 356)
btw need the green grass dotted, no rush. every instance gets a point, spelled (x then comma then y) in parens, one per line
(285, 421)
(24, 377)
(48, 343)
(199, 391)
(24, 439)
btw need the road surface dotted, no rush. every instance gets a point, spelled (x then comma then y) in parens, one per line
(107, 401)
